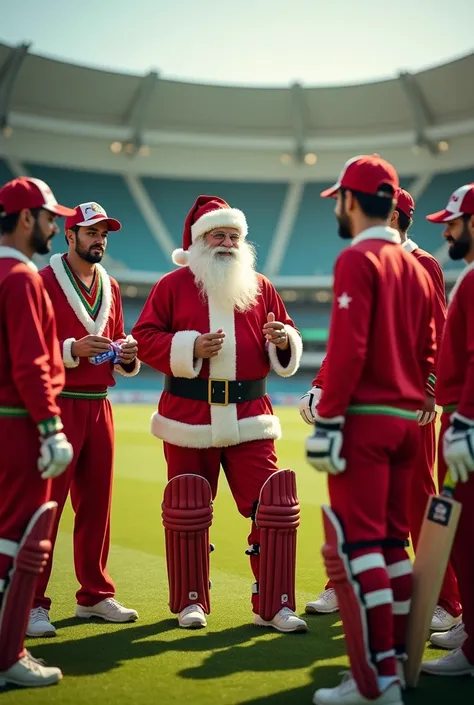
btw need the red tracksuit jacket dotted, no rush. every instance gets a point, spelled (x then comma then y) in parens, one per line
(31, 369)
(381, 348)
(455, 378)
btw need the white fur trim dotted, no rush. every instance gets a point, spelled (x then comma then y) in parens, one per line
(12, 253)
(182, 354)
(180, 257)
(220, 218)
(296, 347)
(96, 327)
(253, 428)
(68, 359)
(224, 424)
(136, 369)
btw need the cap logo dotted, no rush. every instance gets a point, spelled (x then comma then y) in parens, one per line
(454, 198)
(89, 210)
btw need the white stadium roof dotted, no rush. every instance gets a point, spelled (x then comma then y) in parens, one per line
(62, 113)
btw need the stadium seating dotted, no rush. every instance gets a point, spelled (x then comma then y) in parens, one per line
(134, 247)
(261, 203)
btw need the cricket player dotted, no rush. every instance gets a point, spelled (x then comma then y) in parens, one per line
(455, 393)
(448, 611)
(380, 354)
(89, 318)
(214, 328)
(33, 447)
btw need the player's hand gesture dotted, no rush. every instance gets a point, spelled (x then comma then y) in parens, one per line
(128, 350)
(323, 448)
(428, 413)
(56, 454)
(458, 447)
(275, 332)
(209, 344)
(309, 403)
(90, 346)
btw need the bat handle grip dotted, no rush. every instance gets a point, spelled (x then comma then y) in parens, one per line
(449, 485)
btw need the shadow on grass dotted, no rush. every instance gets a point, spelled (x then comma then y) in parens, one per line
(226, 649)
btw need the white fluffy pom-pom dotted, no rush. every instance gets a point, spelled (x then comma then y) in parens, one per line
(180, 257)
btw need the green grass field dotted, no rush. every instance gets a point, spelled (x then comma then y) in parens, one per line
(152, 661)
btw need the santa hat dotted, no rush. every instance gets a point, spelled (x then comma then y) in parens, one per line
(207, 213)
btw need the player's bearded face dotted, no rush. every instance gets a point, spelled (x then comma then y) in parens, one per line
(344, 223)
(44, 230)
(460, 245)
(226, 274)
(92, 252)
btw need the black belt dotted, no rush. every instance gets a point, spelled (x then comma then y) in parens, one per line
(218, 392)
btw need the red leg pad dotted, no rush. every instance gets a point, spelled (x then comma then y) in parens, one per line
(29, 560)
(277, 518)
(187, 516)
(351, 607)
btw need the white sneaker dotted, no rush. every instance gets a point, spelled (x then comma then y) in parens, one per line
(454, 638)
(192, 617)
(109, 609)
(442, 620)
(347, 693)
(453, 664)
(325, 603)
(284, 621)
(29, 672)
(39, 624)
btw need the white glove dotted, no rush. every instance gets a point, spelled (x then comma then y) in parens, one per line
(323, 448)
(308, 404)
(55, 455)
(458, 447)
(425, 417)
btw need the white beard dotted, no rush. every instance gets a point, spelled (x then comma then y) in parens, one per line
(229, 280)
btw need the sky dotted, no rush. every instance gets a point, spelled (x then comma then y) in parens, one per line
(246, 42)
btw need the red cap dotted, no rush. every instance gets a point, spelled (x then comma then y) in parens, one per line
(89, 213)
(27, 192)
(405, 203)
(460, 203)
(207, 213)
(366, 174)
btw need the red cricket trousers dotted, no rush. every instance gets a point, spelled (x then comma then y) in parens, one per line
(22, 491)
(462, 554)
(247, 467)
(369, 499)
(422, 487)
(88, 425)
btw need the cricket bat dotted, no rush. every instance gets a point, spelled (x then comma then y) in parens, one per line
(432, 556)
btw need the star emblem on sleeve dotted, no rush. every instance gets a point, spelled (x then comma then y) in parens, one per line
(344, 300)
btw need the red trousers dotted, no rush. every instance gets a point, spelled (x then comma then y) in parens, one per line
(369, 499)
(89, 426)
(422, 487)
(462, 554)
(22, 491)
(246, 466)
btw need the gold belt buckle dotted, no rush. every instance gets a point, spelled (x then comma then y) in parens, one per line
(225, 382)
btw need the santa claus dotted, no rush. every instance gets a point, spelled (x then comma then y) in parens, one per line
(214, 328)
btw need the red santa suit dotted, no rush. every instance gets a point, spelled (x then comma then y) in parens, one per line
(88, 423)
(455, 392)
(31, 377)
(200, 435)
(380, 354)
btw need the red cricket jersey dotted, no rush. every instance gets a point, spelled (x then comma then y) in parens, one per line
(31, 369)
(74, 321)
(455, 378)
(381, 348)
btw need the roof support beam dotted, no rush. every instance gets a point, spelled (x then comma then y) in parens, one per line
(299, 121)
(8, 76)
(422, 116)
(137, 111)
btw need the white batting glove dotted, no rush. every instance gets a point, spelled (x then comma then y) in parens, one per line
(55, 455)
(323, 448)
(425, 417)
(458, 447)
(309, 403)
